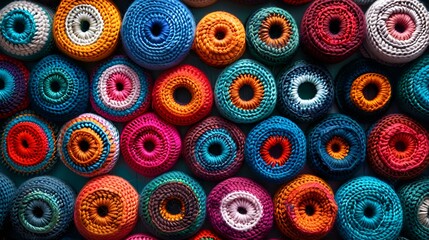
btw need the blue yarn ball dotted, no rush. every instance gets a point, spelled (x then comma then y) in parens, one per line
(7, 193)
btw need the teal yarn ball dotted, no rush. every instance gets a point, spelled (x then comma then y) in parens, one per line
(7, 193)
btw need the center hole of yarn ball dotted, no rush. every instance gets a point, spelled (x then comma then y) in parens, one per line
(55, 86)
(19, 26)
(336, 147)
(182, 96)
(84, 25)
(215, 149)
(220, 34)
(174, 206)
(334, 26)
(400, 27)
(276, 151)
(246, 92)
(156, 29)
(242, 210)
(119, 86)
(309, 210)
(307, 90)
(275, 31)
(102, 211)
(83, 146)
(400, 146)
(370, 91)
(38, 212)
(149, 146)
(369, 212)
(25, 144)
(2, 85)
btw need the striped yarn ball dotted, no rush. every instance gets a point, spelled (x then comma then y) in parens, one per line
(140, 237)
(205, 235)
(7, 193)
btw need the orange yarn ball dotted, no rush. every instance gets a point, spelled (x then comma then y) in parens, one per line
(205, 235)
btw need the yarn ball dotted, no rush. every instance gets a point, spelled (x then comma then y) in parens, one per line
(7, 193)
(205, 235)
(140, 237)
(199, 3)
(364, 2)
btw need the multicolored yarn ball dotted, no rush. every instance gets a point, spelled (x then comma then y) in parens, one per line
(397, 31)
(245, 73)
(7, 193)
(305, 92)
(184, 79)
(398, 147)
(26, 30)
(58, 88)
(140, 237)
(305, 208)
(106, 208)
(87, 30)
(149, 145)
(239, 208)
(220, 39)
(272, 35)
(28, 144)
(336, 147)
(88, 145)
(296, 2)
(173, 206)
(214, 149)
(120, 90)
(14, 77)
(205, 235)
(368, 208)
(158, 34)
(42, 208)
(199, 3)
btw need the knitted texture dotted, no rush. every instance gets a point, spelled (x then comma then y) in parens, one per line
(58, 88)
(297, 2)
(199, 3)
(214, 149)
(28, 144)
(305, 208)
(42, 208)
(397, 31)
(398, 147)
(220, 39)
(368, 209)
(173, 206)
(336, 147)
(364, 2)
(149, 145)
(89, 145)
(14, 78)
(120, 90)
(275, 149)
(239, 208)
(140, 237)
(157, 34)
(106, 208)
(87, 30)
(191, 80)
(7, 193)
(245, 73)
(205, 235)
(26, 30)
(272, 35)
(305, 92)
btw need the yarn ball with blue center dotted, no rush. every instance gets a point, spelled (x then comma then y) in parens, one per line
(158, 34)
(7, 193)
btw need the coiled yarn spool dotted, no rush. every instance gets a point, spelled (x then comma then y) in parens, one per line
(305, 208)
(140, 237)
(149, 145)
(14, 78)
(188, 79)
(157, 34)
(58, 88)
(398, 147)
(251, 74)
(205, 235)
(120, 90)
(199, 3)
(220, 39)
(42, 208)
(173, 206)
(296, 2)
(28, 144)
(275, 149)
(26, 30)
(239, 208)
(106, 208)
(7, 193)
(87, 30)
(336, 147)
(305, 92)
(214, 149)
(397, 31)
(368, 208)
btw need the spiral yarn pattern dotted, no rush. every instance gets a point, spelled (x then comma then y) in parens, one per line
(140, 237)
(7, 193)
(205, 235)
(199, 3)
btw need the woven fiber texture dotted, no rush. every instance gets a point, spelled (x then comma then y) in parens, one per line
(336, 147)
(28, 144)
(220, 39)
(275, 149)
(190, 80)
(305, 92)
(58, 88)
(245, 73)
(205, 235)
(368, 209)
(397, 31)
(157, 34)
(239, 208)
(42, 208)
(87, 30)
(106, 208)
(89, 145)
(364, 2)
(199, 3)
(120, 90)
(14, 77)
(7, 193)
(149, 145)
(398, 147)
(173, 206)
(305, 208)
(140, 237)
(332, 30)
(26, 30)
(214, 149)
(272, 35)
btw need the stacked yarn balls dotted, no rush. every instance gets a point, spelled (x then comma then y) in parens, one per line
(214, 119)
